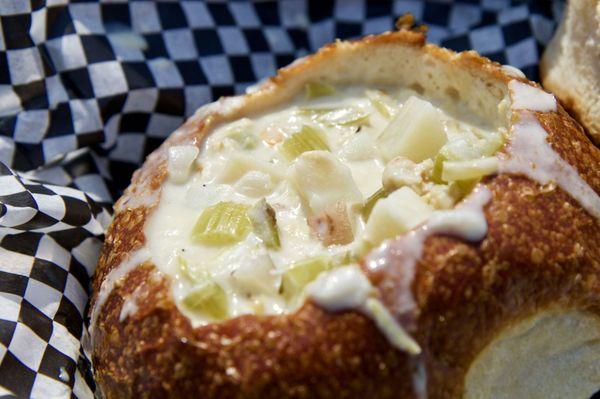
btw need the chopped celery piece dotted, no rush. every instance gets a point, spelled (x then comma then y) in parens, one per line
(372, 200)
(300, 274)
(221, 224)
(416, 132)
(307, 139)
(264, 223)
(456, 150)
(318, 89)
(209, 299)
(466, 186)
(345, 116)
(470, 169)
(438, 167)
(246, 140)
(381, 102)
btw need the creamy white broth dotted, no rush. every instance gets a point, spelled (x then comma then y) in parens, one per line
(248, 272)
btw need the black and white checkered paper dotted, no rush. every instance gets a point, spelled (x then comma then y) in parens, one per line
(88, 89)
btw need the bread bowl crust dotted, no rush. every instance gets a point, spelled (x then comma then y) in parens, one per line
(466, 293)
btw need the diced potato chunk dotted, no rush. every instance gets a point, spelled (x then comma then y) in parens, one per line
(359, 147)
(300, 274)
(468, 170)
(209, 299)
(322, 180)
(180, 160)
(398, 213)
(255, 274)
(416, 132)
(332, 226)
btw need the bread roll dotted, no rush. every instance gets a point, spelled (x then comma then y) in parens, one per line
(383, 219)
(570, 66)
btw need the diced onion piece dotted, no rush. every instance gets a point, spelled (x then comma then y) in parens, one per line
(359, 147)
(238, 165)
(372, 200)
(264, 224)
(180, 160)
(345, 116)
(318, 89)
(254, 272)
(383, 103)
(471, 169)
(398, 213)
(300, 274)
(416, 132)
(307, 139)
(209, 299)
(321, 179)
(460, 149)
(255, 184)
(492, 143)
(222, 224)
(390, 327)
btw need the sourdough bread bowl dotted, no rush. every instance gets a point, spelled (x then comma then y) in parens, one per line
(491, 287)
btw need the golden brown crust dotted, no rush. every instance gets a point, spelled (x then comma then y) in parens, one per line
(541, 251)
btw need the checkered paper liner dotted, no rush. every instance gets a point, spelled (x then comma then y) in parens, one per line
(88, 89)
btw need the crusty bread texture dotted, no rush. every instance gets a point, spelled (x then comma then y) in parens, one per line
(570, 67)
(541, 254)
